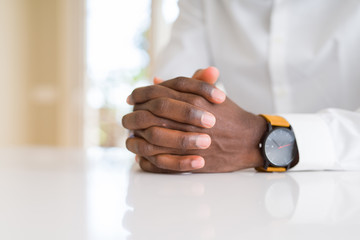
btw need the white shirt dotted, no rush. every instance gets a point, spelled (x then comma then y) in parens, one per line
(296, 58)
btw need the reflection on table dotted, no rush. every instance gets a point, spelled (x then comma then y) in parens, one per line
(245, 205)
(102, 194)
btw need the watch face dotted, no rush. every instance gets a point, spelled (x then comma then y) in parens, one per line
(280, 147)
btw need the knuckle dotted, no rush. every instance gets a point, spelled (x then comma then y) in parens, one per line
(197, 101)
(149, 91)
(147, 149)
(205, 88)
(139, 118)
(151, 135)
(142, 119)
(190, 114)
(180, 82)
(144, 94)
(160, 105)
(157, 162)
(181, 165)
(183, 142)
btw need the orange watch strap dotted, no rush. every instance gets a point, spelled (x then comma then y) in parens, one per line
(276, 120)
(279, 122)
(271, 169)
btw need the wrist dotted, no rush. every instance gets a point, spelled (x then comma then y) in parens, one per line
(257, 130)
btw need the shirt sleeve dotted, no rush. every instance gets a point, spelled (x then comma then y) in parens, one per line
(188, 48)
(328, 140)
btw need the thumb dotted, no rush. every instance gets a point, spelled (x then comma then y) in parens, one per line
(157, 80)
(209, 75)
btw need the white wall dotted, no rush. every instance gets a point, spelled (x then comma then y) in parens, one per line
(41, 72)
(12, 73)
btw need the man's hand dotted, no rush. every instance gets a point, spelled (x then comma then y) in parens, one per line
(208, 75)
(171, 121)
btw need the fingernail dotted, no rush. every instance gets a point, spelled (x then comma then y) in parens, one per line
(208, 120)
(137, 159)
(203, 141)
(197, 163)
(129, 100)
(218, 95)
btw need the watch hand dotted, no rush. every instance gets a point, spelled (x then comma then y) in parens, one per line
(275, 142)
(284, 146)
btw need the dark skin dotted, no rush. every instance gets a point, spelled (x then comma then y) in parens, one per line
(172, 136)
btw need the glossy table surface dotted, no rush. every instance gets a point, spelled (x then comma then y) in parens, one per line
(101, 194)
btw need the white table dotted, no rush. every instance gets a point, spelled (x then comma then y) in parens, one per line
(100, 194)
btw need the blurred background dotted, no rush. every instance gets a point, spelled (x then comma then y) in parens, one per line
(67, 67)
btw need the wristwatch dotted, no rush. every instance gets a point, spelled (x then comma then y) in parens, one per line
(278, 145)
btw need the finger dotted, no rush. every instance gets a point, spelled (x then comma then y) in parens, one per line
(142, 147)
(189, 85)
(157, 80)
(147, 166)
(209, 75)
(129, 100)
(186, 85)
(178, 111)
(144, 94)
(142, 119)
(177, 163)
(175, 139)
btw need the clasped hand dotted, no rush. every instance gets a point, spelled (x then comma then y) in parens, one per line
(188, 125)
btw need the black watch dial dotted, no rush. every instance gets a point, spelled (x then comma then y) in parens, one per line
(280, 147)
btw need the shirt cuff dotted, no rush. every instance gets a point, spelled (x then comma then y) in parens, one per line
(315, 145)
